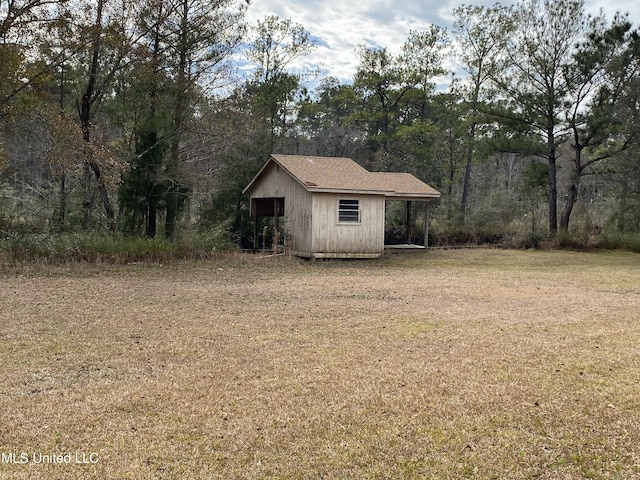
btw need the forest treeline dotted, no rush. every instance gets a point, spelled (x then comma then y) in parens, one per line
(146, 119)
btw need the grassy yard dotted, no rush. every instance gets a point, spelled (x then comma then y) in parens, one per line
(450, 364)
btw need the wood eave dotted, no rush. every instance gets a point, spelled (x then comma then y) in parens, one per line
(344, 191)
(411, 197)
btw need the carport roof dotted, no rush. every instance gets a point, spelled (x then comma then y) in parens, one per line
(343, 175)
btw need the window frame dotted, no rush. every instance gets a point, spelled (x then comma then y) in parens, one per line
(346, 211)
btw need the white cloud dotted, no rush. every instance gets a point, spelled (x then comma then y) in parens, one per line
(340, 27)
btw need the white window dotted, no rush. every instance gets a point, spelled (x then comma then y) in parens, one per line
(348, 210)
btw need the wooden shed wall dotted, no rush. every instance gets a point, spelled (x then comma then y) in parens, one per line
(276, 182)
(331, 238)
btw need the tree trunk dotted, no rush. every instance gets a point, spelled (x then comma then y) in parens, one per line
(62, 197)
(171, 212)
(452, 173)
(62, 201)
(173, 167)
(553, 186)
(87, 220)
(152, 214)
(85, 122)
(467, 175)
(572, 196)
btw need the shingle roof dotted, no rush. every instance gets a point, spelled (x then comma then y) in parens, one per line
(405, 184)
(341, 174)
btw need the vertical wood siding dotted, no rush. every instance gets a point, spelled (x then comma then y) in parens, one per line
(311, 220)
(276, 182)
(331, 237)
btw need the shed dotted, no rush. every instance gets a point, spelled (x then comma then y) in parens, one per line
(330, 207)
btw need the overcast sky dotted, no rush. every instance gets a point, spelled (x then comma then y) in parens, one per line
(338, 27)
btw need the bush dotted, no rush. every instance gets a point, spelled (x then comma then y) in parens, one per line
(615, 241)
(467, 237)
(567, 239)
(101, 247)
(514, 235)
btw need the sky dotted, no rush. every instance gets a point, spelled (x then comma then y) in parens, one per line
(339, 27)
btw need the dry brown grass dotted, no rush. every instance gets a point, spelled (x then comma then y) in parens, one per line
(450, 364)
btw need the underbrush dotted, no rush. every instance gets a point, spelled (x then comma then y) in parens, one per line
(520, 238)
(493, 237)
(102, 247)
(619, 241)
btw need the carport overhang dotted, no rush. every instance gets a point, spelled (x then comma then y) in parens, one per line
(409, 198)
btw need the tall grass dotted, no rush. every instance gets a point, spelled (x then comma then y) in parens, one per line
(102, 247)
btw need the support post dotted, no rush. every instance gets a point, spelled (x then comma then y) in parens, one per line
(409, 227)
(256, 246)
(253, 212)
(426, 223)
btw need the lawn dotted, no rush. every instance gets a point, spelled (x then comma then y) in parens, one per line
(446, 364)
